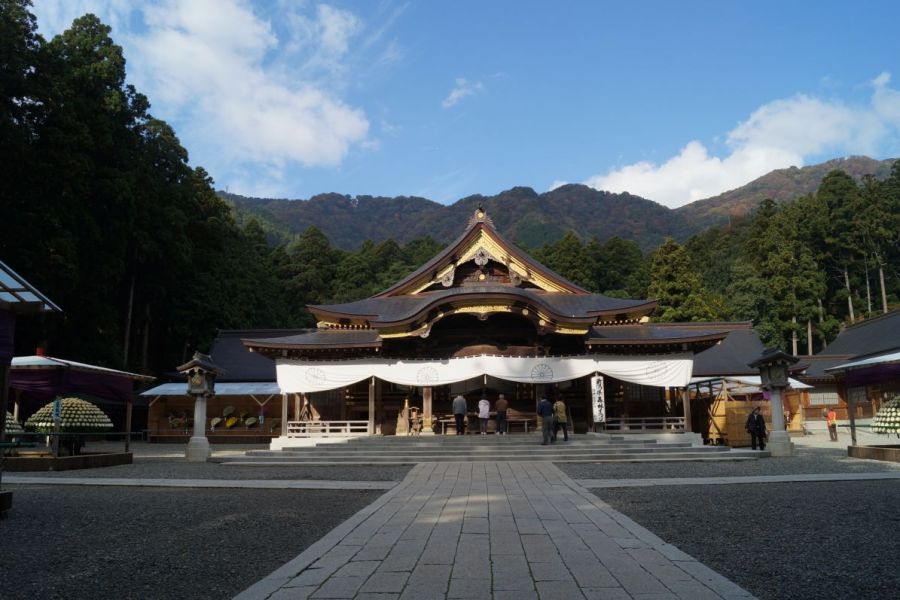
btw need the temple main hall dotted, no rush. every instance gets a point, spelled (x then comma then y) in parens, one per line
(482, 318)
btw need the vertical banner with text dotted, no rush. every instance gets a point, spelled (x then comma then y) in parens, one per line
(599, 400)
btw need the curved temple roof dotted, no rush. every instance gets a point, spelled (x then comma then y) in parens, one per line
(646, 335)
(383, 310)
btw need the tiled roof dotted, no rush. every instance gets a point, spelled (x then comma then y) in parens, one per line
(321, 338)
(871, 337)
(260, 388)
(239, 363)
(51, 362)
(652, 333)
(392, 309)
(728, 357)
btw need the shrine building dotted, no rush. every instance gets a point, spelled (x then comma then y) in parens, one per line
(482, 318)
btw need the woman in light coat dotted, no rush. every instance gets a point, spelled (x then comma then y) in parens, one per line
(484, 413)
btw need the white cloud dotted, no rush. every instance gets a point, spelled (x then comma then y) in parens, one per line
(216, 69)
(207, 58)
(779, 134)
(463, 88)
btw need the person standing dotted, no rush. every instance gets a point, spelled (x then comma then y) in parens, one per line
(459, 413)
(831, 421)
(561, 419)
(545, 412)
(484, 413)
(501, 406)
(756, 427)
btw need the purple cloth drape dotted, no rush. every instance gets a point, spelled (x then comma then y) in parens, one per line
(49, 383)
(873, 375)
(7, 335)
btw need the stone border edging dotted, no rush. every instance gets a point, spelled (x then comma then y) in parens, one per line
(886, 453)
(259, 484)
(733, 480)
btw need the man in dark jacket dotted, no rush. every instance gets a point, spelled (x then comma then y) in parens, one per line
(501, 407)
(756, 427)
(459, 413)
(545, 412)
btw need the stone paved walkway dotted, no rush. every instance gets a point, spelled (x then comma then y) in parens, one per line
(492, 530)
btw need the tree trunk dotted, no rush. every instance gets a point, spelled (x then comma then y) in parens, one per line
(794, 336)
(868, 291)
(128, 321)
(884, 307)
(821, 322)
(146, 338)
(809, 349)
(849, 295)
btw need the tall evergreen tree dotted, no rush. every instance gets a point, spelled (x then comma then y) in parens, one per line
(677, 288)
(843, 241)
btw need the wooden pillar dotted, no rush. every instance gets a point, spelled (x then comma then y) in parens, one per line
(379, 407)
(372, 406)
(686, 403)
(296, 407)
(426, 410)
(851, 410)
(128, 409)
(5, 497)
(284, 414)
(17, 404)
(344, 397)
(4, 395)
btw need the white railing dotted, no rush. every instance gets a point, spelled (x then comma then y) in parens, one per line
(304, 429)
(641, 424)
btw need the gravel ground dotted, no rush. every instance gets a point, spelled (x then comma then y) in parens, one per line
(805, 460)
(834, 540)
(151, 468)
(87, 542)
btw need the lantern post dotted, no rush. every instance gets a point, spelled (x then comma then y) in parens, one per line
(201, 374)
(773, 373)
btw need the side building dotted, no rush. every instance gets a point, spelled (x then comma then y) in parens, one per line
(857, 372)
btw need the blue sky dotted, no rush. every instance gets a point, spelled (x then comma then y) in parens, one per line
(674, 101)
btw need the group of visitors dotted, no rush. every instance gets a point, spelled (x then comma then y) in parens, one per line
(484, 414)
(554, 417)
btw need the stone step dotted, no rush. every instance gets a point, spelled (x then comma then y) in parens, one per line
(536, 454)
(405, 460)
(486, 447)
(499, 441)
(475, 451)
(489, 439)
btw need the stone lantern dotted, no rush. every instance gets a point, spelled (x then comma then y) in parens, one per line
(773, 373)
(201, 374)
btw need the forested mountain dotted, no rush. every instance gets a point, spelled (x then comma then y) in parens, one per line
(780, 185)
(521, 214)
(532, 219)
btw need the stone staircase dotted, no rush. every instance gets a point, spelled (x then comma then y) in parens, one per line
(474, 448)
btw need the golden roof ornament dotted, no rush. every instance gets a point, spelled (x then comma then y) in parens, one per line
(480, 216)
